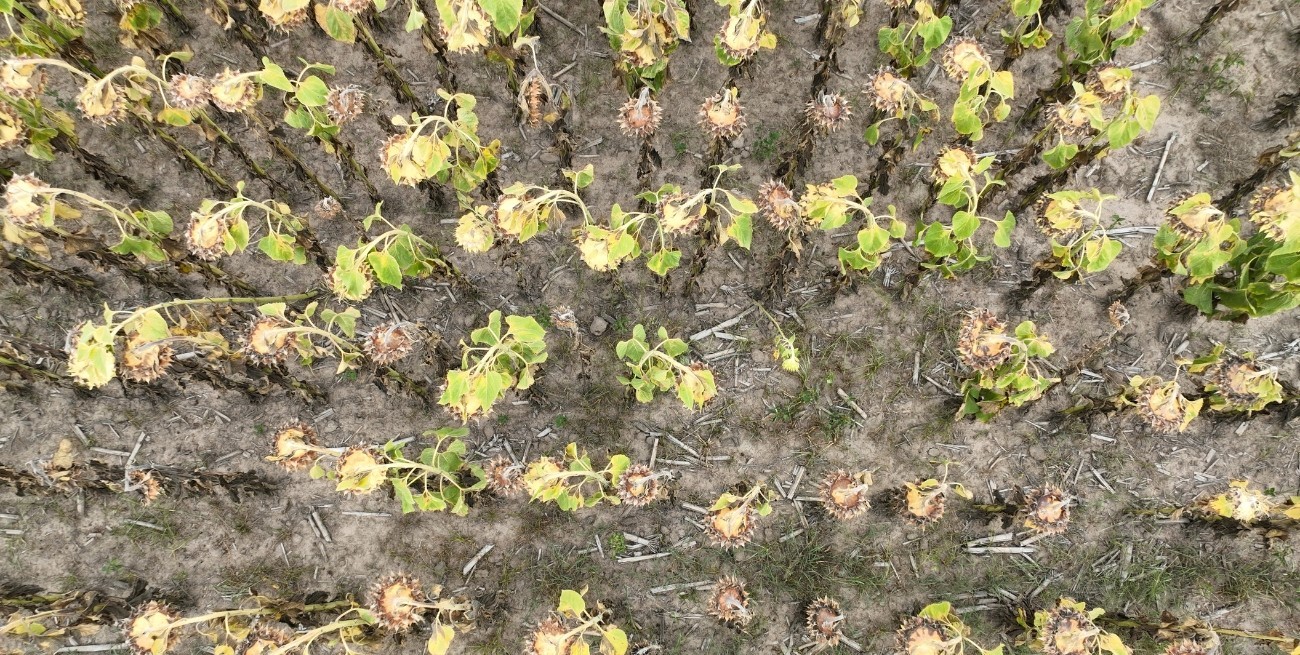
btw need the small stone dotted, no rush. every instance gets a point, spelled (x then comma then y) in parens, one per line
(549, 158)
(738, 142)
(598, 326)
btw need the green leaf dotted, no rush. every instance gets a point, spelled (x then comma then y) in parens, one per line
(505, 14)
(336, 23)
(872, 135)
(272, 75)
(312, 91)
(414, 21)
(1060, 156)
(664, 261)
(1002, 237)
(742, 230)
(964, 225)
(175, 117)
(385, 268)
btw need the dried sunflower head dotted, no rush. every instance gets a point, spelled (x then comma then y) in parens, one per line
(294, 446)
(1109, 81)
(21, 80)
(640, 116)
(889, 92)
(730, 602)
(677, 217)
(1194, 217)
(1241, 502)
(638, 486)
(1276, 210)
(145, 360)
(148, 631)
(1071, 120)
(389, 342)
(925, 636)
(844, 495)
(475, 233)
(827, 112)
(1046, 510)
(25, 199)
(397, 601)
(504, 476)
(144, 481)
(352, 7)
(778, 206)
(1067, 631)
(1242, 384)
(824, 622)
(534, 94)
(12, 130)
(282, 15)
(1186, 647)
(341, 285)
(1118, 315)
(343, 104)
(923, 505)
(327, 208)
(731, 527)
(1059, 216)
(1162, 406)
(205, 237)
(268, 342)
(722, 116)
(963, 58)
(102, 103)
(186, 91)
(982, 343)
(235, 92)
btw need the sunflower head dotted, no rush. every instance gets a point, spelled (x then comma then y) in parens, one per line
(923, 504)
(263, 640)
(921, 635)
(889, 92)
(205, 237)
(102, 103)
(722, 116)
(389, 342)
(824, 622)
(956, 162)
(638, 486)
(1109, 81)
(268, 341)
(294, 446)
(777, 204)
(145, 360)
(357, 470)
(827, 112)
(21, 80)
(640, 116)
(1118, 315)
(1194, 217)
(1068, 631)
(1242, 502)
(982, 343)
(844, 495)
(1162, 406)
(233, 92)
(1046, 510)
(396, 601)
(1186, 647)
(345, 103)
(965, 57)
(147, 484)
(185, 91)
(730, 602)
(25, 199)
(504, 476)
(731, 527)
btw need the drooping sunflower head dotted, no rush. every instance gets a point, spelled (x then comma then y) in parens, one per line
(640, 116)
(234, 92)
(396, 601)
(343, 104)
(925, 636)
(504, 476)
(638, 486)
(294, 446)
(389, 342)
(102, 103)
(730, 602)
(777, 204)
(963, 58)
(843, 494)
(185, 91)
(144, 360)
(1046, 510)
(1067, 631)
(955, 162)
(889, 92)
(722, 116)
(827, 112)
(148, 631)
(824, 622)
(982, 343)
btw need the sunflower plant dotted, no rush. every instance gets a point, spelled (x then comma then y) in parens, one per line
(1073, 221)
(984, 92)
(743, 34)
(493, 362)
(963, 179)
(938, 630)
(388, 258)
(221, 227)
(522, 211)
(441, 148)
(1236, 383)
(1008, 368)
(830, 206)
(643, 35)
(677, 213)
(572, 627)
(1104, 114)
(30, 203)
(573, 482)
(911, 45)
(658, 368)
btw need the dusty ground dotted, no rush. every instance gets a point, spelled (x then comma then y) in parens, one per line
(864, 339)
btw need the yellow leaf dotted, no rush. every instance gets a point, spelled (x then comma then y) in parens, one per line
(440, 641)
